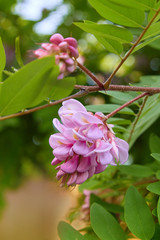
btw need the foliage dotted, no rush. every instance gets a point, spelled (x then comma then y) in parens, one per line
(127, 201)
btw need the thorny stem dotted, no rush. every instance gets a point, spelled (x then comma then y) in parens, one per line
(137, 118)
(81, 93)
(91, 75)
(108, 81)
(125, 105)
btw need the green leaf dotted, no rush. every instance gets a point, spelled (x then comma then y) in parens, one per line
(150, 112)
(137, 215)
(152, 13)
(158, 210)
(136, 170)
(88, 236)
(153, 30)
(112, 46)
(154, 187)
(107, 108)
(105, 225)
(2, 56)
(139, 4)
(124, 97)
(156, 156)
(145, 43)
(107, 31)
(118, 13)
(67, 232)
(113, 208)
(156, 235)
(118, 121)
(29, 86)
(63, 88)
(155, 44)
(154, 143)
(18, 52)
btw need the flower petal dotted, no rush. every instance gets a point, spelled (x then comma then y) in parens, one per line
(80, 148)
(70, 166)
(81, 177)
(84, 164)
(72, 179)
(61, 152)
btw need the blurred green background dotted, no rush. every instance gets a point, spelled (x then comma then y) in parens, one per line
(25, 154)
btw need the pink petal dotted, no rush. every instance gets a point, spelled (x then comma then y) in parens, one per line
(100, 168)
(72, 179)
(105, 158)
(74, 52)
(40, 53)
(71, 68)
(55, 161)
(84, 164)
(61, 76)
(56, 38)
(94, 132)
(61, 152)
(71, 41)
(91, 172)
(57, 140)
(83, 118)
(71, 165)
(60, 174)
(80, 148)
(69, 61)
(63, 46)
(82, 177)
(71, 105)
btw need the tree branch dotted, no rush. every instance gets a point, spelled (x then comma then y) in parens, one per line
(121, 88)
(91, 75)
(108, 81)
(125, 105)
(137, 118)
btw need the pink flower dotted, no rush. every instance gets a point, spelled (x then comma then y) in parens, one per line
(85, 144)
(65, 51)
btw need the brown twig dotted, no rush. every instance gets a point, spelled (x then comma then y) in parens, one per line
(81, 93)
(91, 75)
(125, 105)
(121, 88)
(137, 118)
(108, 81)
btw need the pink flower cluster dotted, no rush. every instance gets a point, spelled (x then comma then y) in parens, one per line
(65, 51)
(85, 144)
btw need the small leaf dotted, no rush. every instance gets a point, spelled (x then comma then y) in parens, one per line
(105, 225)
(107, 108)
(107, 31)
(136, 170)
(2, 56)
(145, 43)
(137, 215)
(156, 156)
(154, 188)
(118, 13)
(18, 52)
(158, 174)
(67, 232)
(152, 31)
